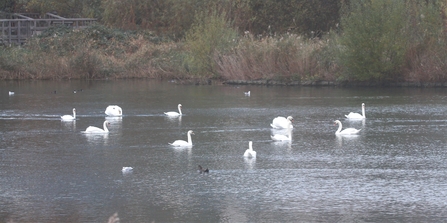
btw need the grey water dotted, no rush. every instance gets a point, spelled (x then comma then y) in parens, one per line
(395, 170)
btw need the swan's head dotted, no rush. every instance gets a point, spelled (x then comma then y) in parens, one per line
(179, 105)
(290, 118)
(74, 109)
(190, 132)
(336, 122)
(363, 104)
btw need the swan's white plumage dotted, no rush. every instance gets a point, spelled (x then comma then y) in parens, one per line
(96, 130)
(69, 117)
(281, 122)
(347, 131)
(250, 152)
(183, 142)
(175, 114)
(247, 93)
(114, 110)
(353, 115)
(281, 137)
(11, 92)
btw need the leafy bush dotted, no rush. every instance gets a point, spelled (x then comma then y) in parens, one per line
(374, 40)
(208, 35)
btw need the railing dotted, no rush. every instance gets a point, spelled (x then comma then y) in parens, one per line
(21, 26)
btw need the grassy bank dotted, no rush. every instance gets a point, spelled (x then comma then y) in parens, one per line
(385, 43)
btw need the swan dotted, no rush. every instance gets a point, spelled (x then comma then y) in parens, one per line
(96, 130)
(127, 169)
(280, 137)
(114, 110)
(247, 93)
(353, 115)
(175, 114)
(183, 142)
(250, 152)
(348, 131)
(69, 117)
(282, 123)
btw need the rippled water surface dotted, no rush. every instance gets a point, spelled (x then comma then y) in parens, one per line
(395, 170)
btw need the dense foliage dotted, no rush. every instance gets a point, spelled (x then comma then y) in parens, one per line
(312, 40)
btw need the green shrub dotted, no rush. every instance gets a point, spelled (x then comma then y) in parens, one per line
(208, 35)
(374, 40)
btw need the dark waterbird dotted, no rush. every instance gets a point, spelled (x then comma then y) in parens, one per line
(201, 170)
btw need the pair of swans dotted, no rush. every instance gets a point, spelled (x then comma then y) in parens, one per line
(282, 123)
(175, 114)
(182, 143)
(250, 153)
(357, 116)
(69, 117)
(114, 110)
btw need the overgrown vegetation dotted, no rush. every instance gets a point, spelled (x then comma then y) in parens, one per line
(374, 41)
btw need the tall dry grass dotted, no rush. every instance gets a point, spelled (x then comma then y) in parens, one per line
(289, 57)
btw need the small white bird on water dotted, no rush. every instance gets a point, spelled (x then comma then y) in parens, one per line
(247, 93)
(11, 92)
(127, 169)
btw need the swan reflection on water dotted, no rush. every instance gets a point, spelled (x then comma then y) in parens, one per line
(340, 139)
(69, 125)
(97, 138)
(174, 118)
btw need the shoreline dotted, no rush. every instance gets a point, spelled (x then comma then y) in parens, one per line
(336, 84)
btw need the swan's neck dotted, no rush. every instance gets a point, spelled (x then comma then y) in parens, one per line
(179, 110)
(189, 139)
(105, 127)
(339, 128)
(250, 147)
(74, 114)
(363, 111)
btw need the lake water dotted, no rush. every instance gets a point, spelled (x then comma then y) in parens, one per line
(395, 170)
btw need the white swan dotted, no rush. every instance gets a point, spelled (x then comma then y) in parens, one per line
(96, 130)
(114, 110)
(250, 152)
(280, 137)
(183, 142)
(282, 123)
(353, 115)
(69, 117)
(247, 93)
(175, 114)
(348, 131)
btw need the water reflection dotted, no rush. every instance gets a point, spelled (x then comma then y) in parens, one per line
(374, 176)
(69, 125)
(97, 138)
